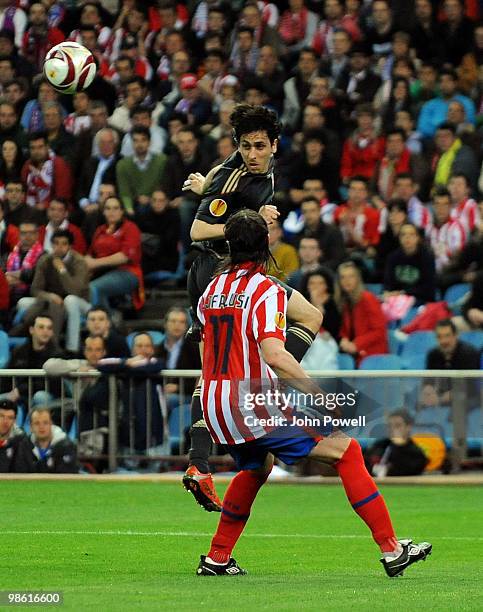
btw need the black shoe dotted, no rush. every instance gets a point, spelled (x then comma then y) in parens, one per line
(205, 568)
(194, 332)
(411, 553)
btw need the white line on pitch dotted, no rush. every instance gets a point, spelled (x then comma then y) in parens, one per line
(197, 534)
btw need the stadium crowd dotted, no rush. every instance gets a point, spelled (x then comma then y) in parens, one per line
(378, 175)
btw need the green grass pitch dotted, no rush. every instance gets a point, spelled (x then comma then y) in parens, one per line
(135, 546)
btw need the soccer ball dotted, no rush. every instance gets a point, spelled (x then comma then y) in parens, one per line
(69, 67)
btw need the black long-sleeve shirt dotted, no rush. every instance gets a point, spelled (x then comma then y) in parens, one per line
(413, 274)
(402, 460)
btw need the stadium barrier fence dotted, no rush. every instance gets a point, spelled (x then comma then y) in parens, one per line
(388, 390)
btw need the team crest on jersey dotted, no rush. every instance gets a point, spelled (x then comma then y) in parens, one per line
(280, 320)
(218, 207)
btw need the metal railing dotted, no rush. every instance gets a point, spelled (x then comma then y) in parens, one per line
(68, 398)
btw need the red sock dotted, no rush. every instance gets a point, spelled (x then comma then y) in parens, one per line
(237, 503)
(361, 490)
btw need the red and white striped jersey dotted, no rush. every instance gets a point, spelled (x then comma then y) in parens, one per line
(446, 240)
(467, 213)
(238, 310)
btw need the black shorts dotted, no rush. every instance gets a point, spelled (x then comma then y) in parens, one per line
(201, 273)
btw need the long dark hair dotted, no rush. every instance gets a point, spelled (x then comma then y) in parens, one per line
(246, 233)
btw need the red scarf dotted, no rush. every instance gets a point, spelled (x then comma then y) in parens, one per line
(15, 263)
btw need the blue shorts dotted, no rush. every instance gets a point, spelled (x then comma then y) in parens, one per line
(252, 455)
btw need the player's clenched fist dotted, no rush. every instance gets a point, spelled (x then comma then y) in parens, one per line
(195, 182)
(269, 213)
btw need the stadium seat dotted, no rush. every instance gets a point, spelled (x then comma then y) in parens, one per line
(345, 361)
(381, 362)
(473, 337)
(375, 288)
(156, 336)
(415, 349)
(456, 293)
(4, 350)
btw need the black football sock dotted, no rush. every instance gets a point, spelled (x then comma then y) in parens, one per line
(200, 436)
(299, 340)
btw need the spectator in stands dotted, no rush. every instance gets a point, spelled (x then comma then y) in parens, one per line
(178, 353)
(296, 88)
(464, 266)
(363, 329)
(456, 32)
(452, 157)
(297, 26)
(378, 34)
(52, 451)
(39, 38)
(397, 216)
(10, 129)
(98, 323)
(114, 258)
(11, 162)
(21, 262)
(160, 231)
(364, 149)
(450, 354)
(188, 158)
(14, 445)
(141, 117)
(140, 370)
(98, 169)
(410, 269)
(32, 117)
(317, 287)
(309, 255)
(357, 220)
(329, 237)
(272, 75)
(138, 176)
(397, 159)
(396, 455)
(15, 207)
(40, 346)
(284, 254)
(447, 236)
(87, 145)
(59, 140)
(406, 189)
(424, 35)
(94, 217)
(404, 120)
(136, 93)
(338, 60)
(46, 175)
(60, 288)
(335, 22)
(464, 208)
(433, 112)
(13, 22)
(79, 120)
(57, 213)
(9, 236)
(314, 163)
(357, 84)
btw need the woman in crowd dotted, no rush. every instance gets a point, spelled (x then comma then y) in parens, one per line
(363, 330)
(114, 258)
(410, 269)
(318, 288)
(11, 162)
(397, 216)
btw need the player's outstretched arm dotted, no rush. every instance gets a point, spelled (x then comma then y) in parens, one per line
(197, 183)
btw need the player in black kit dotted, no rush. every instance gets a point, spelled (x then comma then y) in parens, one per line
(243, 180)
